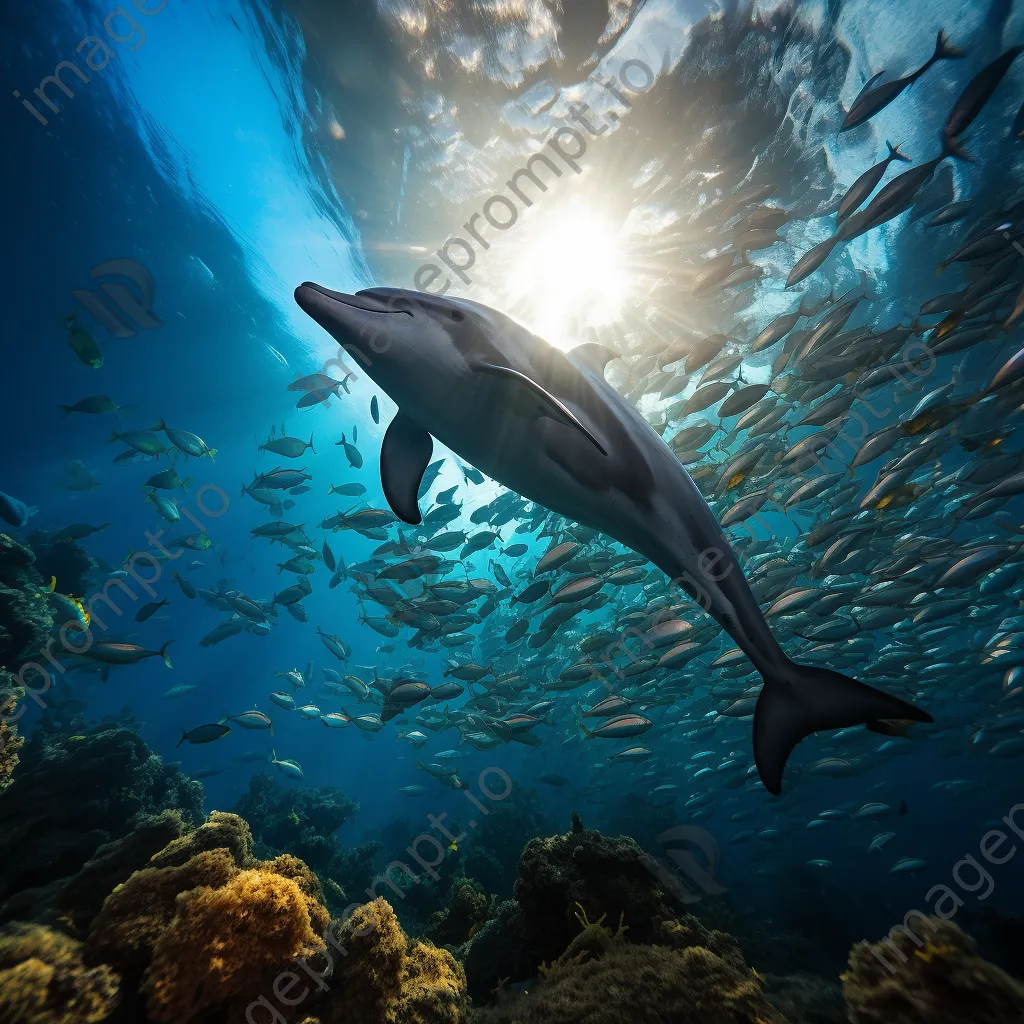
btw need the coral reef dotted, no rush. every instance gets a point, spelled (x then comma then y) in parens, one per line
(501, 836)
(301, 821)
(933, 975)
(26, 617)
(74, 902)
(353, 869)
(806, 998)
(599, 873)
(466, 912)
(10, 741)
(139, 910)
(603, 979)
(206, 926)
(62, 559)
(558, 875)
(386, 979)
(73, 794)
(43, 979)
(226, 943)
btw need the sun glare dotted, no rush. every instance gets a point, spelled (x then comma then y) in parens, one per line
(569, 276)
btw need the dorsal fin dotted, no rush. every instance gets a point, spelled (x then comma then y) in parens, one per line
(593, 354)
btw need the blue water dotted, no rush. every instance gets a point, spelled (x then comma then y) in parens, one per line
(205, 155)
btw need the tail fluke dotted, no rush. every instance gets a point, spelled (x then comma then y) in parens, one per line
(895, 154)
(803, 699)
(165, 655)
(944, 50)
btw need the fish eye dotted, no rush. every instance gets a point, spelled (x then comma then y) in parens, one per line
(458, 316)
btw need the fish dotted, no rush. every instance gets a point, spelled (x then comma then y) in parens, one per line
(80, 531)
(167, 480)
(15, 512)
(907, 865)
(866, 183)
(181, 690)
(328, 556)
(286, 766)
(185, 441)
(872, 100)
(116, 653)
(187, 589)
(204, 733)
(149, 610)
(352, 453)
(145, 442)
(335, 645)
(279, 480)
(82, 343)
(553, 779)
(374, 409)
(978, 91)
(315, 382)
(252, 720)
(548, 425)
(94, 405)
(288, 447)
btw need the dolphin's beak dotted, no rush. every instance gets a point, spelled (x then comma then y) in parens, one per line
(343, 316)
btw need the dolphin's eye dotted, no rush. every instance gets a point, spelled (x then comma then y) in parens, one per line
(458, 316)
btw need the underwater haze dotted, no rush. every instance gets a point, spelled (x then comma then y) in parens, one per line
(512, 511)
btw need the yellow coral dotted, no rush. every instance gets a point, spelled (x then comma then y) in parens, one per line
(942, 982)
(10, 741)
(138, 911)
(595, 940)
(383, 979)
(228, 943)
(220, 831)
(43, 979)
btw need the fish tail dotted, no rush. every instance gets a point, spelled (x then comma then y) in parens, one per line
(895, 154)
(588, 733)
(165, 655)
(68, 409)
(800, 699)
(211, 452)
(944, 50)
(184, 736)
(159, 426)
(310, 445)
(956, 149)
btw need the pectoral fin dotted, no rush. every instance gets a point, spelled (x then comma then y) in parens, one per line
(552, 406)
(404, 456)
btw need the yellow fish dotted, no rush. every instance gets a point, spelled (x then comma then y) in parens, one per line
(454, 848)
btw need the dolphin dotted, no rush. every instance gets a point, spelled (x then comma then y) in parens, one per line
(546, 424)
